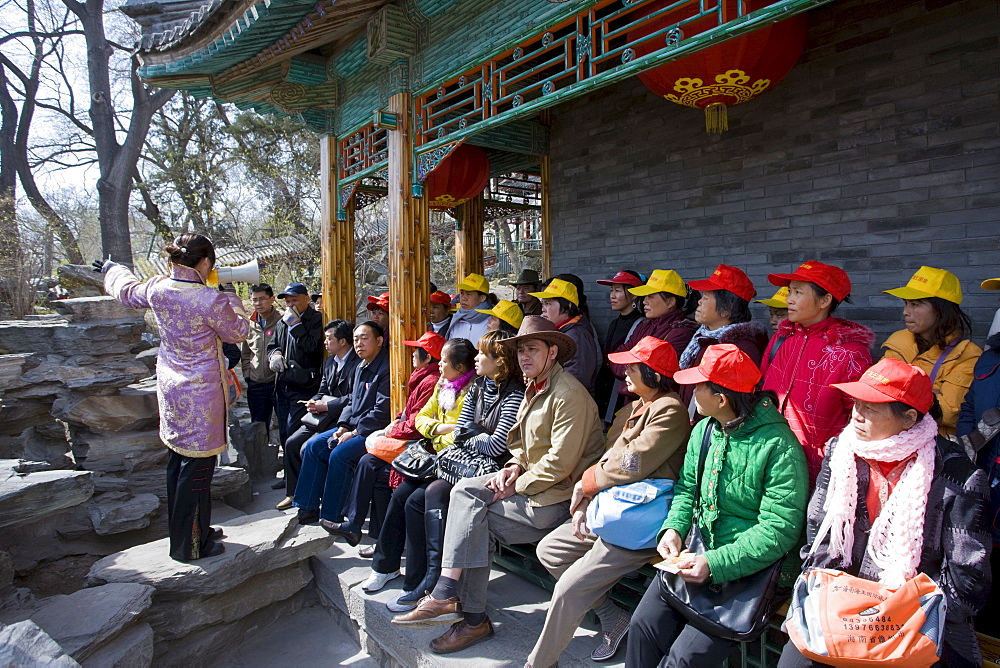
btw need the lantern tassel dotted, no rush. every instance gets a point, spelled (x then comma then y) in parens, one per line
(716, 118)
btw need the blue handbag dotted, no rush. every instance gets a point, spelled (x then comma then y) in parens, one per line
(631, 515)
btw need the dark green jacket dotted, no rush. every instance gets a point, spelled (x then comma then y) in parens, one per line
(753, 493)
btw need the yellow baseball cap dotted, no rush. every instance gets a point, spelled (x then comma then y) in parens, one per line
(930, 282)
(558, 288)
(507, 311)
(475, 282)
(778, 300)
(662, 280)
(990, 284)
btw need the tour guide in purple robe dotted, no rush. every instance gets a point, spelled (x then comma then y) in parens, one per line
(193, 320)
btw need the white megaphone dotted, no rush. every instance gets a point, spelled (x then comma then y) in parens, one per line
(245, 273)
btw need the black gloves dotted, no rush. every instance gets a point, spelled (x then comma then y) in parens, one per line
(103, 265)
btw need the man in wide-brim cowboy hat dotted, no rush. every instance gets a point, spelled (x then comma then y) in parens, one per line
(556, 437)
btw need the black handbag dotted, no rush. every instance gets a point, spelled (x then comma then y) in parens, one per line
(737, 610)
(461, 460)
(457, 462)
(418, 462)
(320, 421)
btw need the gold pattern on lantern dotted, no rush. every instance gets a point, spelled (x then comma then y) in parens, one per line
(733, 84)
(443, 200)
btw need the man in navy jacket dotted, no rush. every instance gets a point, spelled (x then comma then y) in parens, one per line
(328, 468)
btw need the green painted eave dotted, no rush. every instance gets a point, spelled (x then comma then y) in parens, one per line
(257, 29)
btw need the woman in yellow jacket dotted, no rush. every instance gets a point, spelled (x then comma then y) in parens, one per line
(437, 419)
(935, 338)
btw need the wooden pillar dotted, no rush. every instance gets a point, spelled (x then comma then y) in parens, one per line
(336, 240)
(546, 221)
(409, 250)
(469, 238)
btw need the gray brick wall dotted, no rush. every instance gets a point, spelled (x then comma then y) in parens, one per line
(880, 152)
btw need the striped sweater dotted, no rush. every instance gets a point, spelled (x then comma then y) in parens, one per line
(495, 444)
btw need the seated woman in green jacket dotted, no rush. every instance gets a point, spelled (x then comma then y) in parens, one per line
(752, 504)
(647, 440)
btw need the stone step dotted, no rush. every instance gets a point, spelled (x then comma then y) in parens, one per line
(517, 610)
(28, 497)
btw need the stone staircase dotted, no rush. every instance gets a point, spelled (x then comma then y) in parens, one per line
(517, 612)
(141, 608)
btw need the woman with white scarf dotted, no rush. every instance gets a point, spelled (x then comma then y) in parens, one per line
(893, 499)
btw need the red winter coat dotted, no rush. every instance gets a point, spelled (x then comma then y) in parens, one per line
(420, 388)
(674, 328)
(809, 360)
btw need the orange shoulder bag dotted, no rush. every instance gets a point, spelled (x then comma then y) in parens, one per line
(842, 620)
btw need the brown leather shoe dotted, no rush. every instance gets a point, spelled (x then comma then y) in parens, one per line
(431, 611)
(461, 635)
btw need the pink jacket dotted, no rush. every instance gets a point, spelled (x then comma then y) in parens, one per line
(193, 320)
(809, 360)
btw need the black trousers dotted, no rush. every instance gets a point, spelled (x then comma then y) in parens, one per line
(369, 490)
(262, 401)
(289, 410)
(189, 504)
(292, 456)
(404, 527)
(657, 631)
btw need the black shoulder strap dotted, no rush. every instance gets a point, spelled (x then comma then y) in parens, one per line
(774, 349)
(702, 456)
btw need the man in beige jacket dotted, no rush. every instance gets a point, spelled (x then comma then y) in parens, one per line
(556, 437)
(253, 354)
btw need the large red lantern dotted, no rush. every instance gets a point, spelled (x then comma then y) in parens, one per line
(460, 177)
(726, 74)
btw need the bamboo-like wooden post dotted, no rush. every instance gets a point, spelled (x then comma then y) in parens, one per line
(469, 238)
(546, 220)
(409, 250)
(336, 240)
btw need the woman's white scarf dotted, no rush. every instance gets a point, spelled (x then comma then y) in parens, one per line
(896, 540)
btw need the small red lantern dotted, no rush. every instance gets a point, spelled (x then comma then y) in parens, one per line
(729, 73)
(460, 177)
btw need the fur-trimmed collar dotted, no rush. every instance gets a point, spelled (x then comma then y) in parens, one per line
(743, 331)
(836, 330)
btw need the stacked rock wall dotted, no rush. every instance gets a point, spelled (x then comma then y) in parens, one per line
(77, 391)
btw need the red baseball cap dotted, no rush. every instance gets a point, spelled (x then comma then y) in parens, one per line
(892, 380)
(432, 342)
(658, 355)
(727, 278)
(440, 298)
(725, 365)
(832, 279)
(382, 302)
(622, 278)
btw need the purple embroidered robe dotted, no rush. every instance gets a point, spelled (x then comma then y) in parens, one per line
(194, 320)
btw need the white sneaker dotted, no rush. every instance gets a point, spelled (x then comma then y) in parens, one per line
(378, 580)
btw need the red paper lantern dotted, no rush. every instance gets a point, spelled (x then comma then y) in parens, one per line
(460, 177)
(729, 73)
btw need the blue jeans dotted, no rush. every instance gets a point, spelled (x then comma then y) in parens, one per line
(327, 474)
(294, 447)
